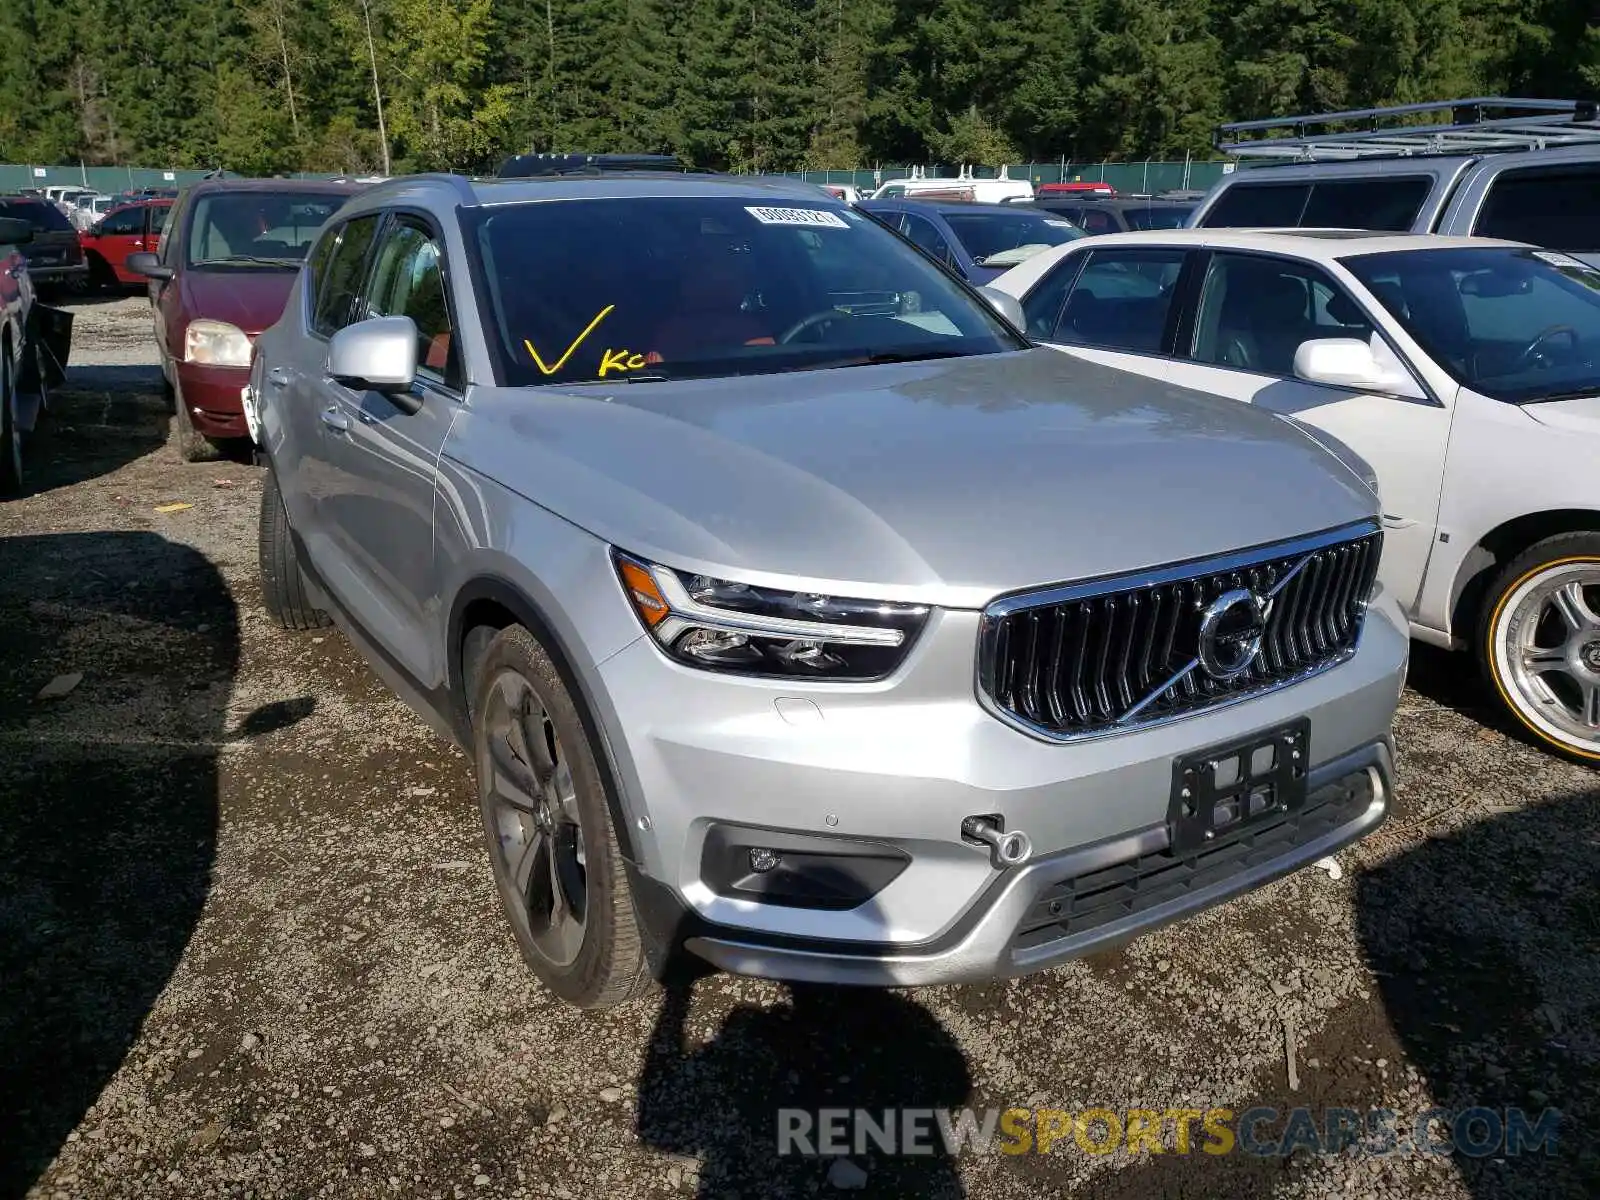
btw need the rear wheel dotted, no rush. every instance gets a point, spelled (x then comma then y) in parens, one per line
(554, 853)
(10, 430)
(1539, 642)
(283, 588)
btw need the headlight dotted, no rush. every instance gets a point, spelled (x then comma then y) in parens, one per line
(735, 627)
(216, 344)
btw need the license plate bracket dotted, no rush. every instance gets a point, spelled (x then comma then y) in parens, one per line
(1227, 787)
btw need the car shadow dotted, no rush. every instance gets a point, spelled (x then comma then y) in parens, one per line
(729, 1100)
(108, 809)
(1486, 944)
(101, 419)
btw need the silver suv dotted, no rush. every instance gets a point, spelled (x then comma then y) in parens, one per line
(797, 613)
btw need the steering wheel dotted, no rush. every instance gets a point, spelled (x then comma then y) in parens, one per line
(815, 320)
(1531, 350)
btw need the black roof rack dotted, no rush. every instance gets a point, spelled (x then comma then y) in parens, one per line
(529, 166)
(1473, 126)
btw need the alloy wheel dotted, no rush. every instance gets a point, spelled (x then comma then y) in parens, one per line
(1547, 650)
(537, 831)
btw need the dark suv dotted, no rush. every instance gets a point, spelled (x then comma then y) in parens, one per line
(54, 255)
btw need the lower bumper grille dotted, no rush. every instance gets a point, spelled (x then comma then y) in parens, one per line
(1085, 902)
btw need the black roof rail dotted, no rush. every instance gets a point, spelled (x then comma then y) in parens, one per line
(1471, 126)
(532, 166)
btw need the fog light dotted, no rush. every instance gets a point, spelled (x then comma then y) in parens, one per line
(763, 860)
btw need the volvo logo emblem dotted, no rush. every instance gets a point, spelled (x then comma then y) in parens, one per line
(1231, 629)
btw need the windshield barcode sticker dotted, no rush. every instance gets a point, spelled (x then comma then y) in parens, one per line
(798, 216)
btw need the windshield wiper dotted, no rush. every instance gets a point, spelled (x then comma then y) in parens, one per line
(889, 356)
(251, 260)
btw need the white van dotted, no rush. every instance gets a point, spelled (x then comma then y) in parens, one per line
(963, 187)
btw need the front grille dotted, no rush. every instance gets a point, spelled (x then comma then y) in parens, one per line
(1085, 902)
(1096, 658)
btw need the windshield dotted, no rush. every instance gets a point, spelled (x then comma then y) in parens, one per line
(252, 230)
(636, 289)
(1162, 216)
(995, 238)
(1517, 325)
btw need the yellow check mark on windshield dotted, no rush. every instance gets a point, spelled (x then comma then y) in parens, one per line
(576, 342)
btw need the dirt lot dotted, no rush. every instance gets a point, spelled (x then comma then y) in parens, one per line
(249, 944)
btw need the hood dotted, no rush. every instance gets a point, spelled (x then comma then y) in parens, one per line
(1580, 415)
(250, 299)
(945, 482)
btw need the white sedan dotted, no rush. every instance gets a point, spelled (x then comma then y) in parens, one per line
(1465, 371)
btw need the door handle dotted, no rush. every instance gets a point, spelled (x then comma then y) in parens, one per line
(278, 377)
(335, 420)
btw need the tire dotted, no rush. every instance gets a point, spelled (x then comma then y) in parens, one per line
(193, 446)
(10, 430)
(543, 800)
(1538, 643)
(283, 589)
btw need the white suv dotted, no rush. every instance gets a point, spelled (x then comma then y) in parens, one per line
(1465, 370)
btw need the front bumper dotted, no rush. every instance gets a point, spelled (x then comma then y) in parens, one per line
(901, 764)
(211, 395)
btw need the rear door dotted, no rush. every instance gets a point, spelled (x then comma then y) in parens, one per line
(381, 513)
(311, 465)
(1253, 313)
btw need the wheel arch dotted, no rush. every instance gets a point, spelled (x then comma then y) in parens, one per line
(490, 603)
(1499, 546)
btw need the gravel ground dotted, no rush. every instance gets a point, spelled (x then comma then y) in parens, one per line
(250, 947)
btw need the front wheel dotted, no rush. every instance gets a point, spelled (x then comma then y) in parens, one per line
(10, 431)
(1539, 642)
(283, 587)
(193, 446)
(554, 853)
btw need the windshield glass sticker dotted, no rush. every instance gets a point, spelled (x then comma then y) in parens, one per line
(797, 216)
(1563, 261)
(576, 342)
(1059, 224)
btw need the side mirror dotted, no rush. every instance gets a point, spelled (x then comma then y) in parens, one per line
(149, 265)
(1352, 363)
(14, 231)
(1007, 305)
(377, 355)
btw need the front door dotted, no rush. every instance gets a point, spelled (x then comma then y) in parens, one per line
(1253, 314)
(120, 234)
(381, 516)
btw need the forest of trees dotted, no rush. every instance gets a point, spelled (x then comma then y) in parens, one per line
(262, 86)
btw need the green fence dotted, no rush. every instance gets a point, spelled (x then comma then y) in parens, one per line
(1152, 176)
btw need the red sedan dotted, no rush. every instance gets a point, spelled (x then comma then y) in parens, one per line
(229, 257)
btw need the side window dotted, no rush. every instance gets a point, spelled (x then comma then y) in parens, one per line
(1254, 313)
(1247, 205)
(1043, 305)
(926, 234)
(158, 215)
(408, 281)
(338, 283)
(1390, 203)
(1097, 220)
(127, 221)
(169, 244)
(1557, 207)
(1122, 300)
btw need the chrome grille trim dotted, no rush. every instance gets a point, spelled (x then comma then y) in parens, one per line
(1133, 675)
